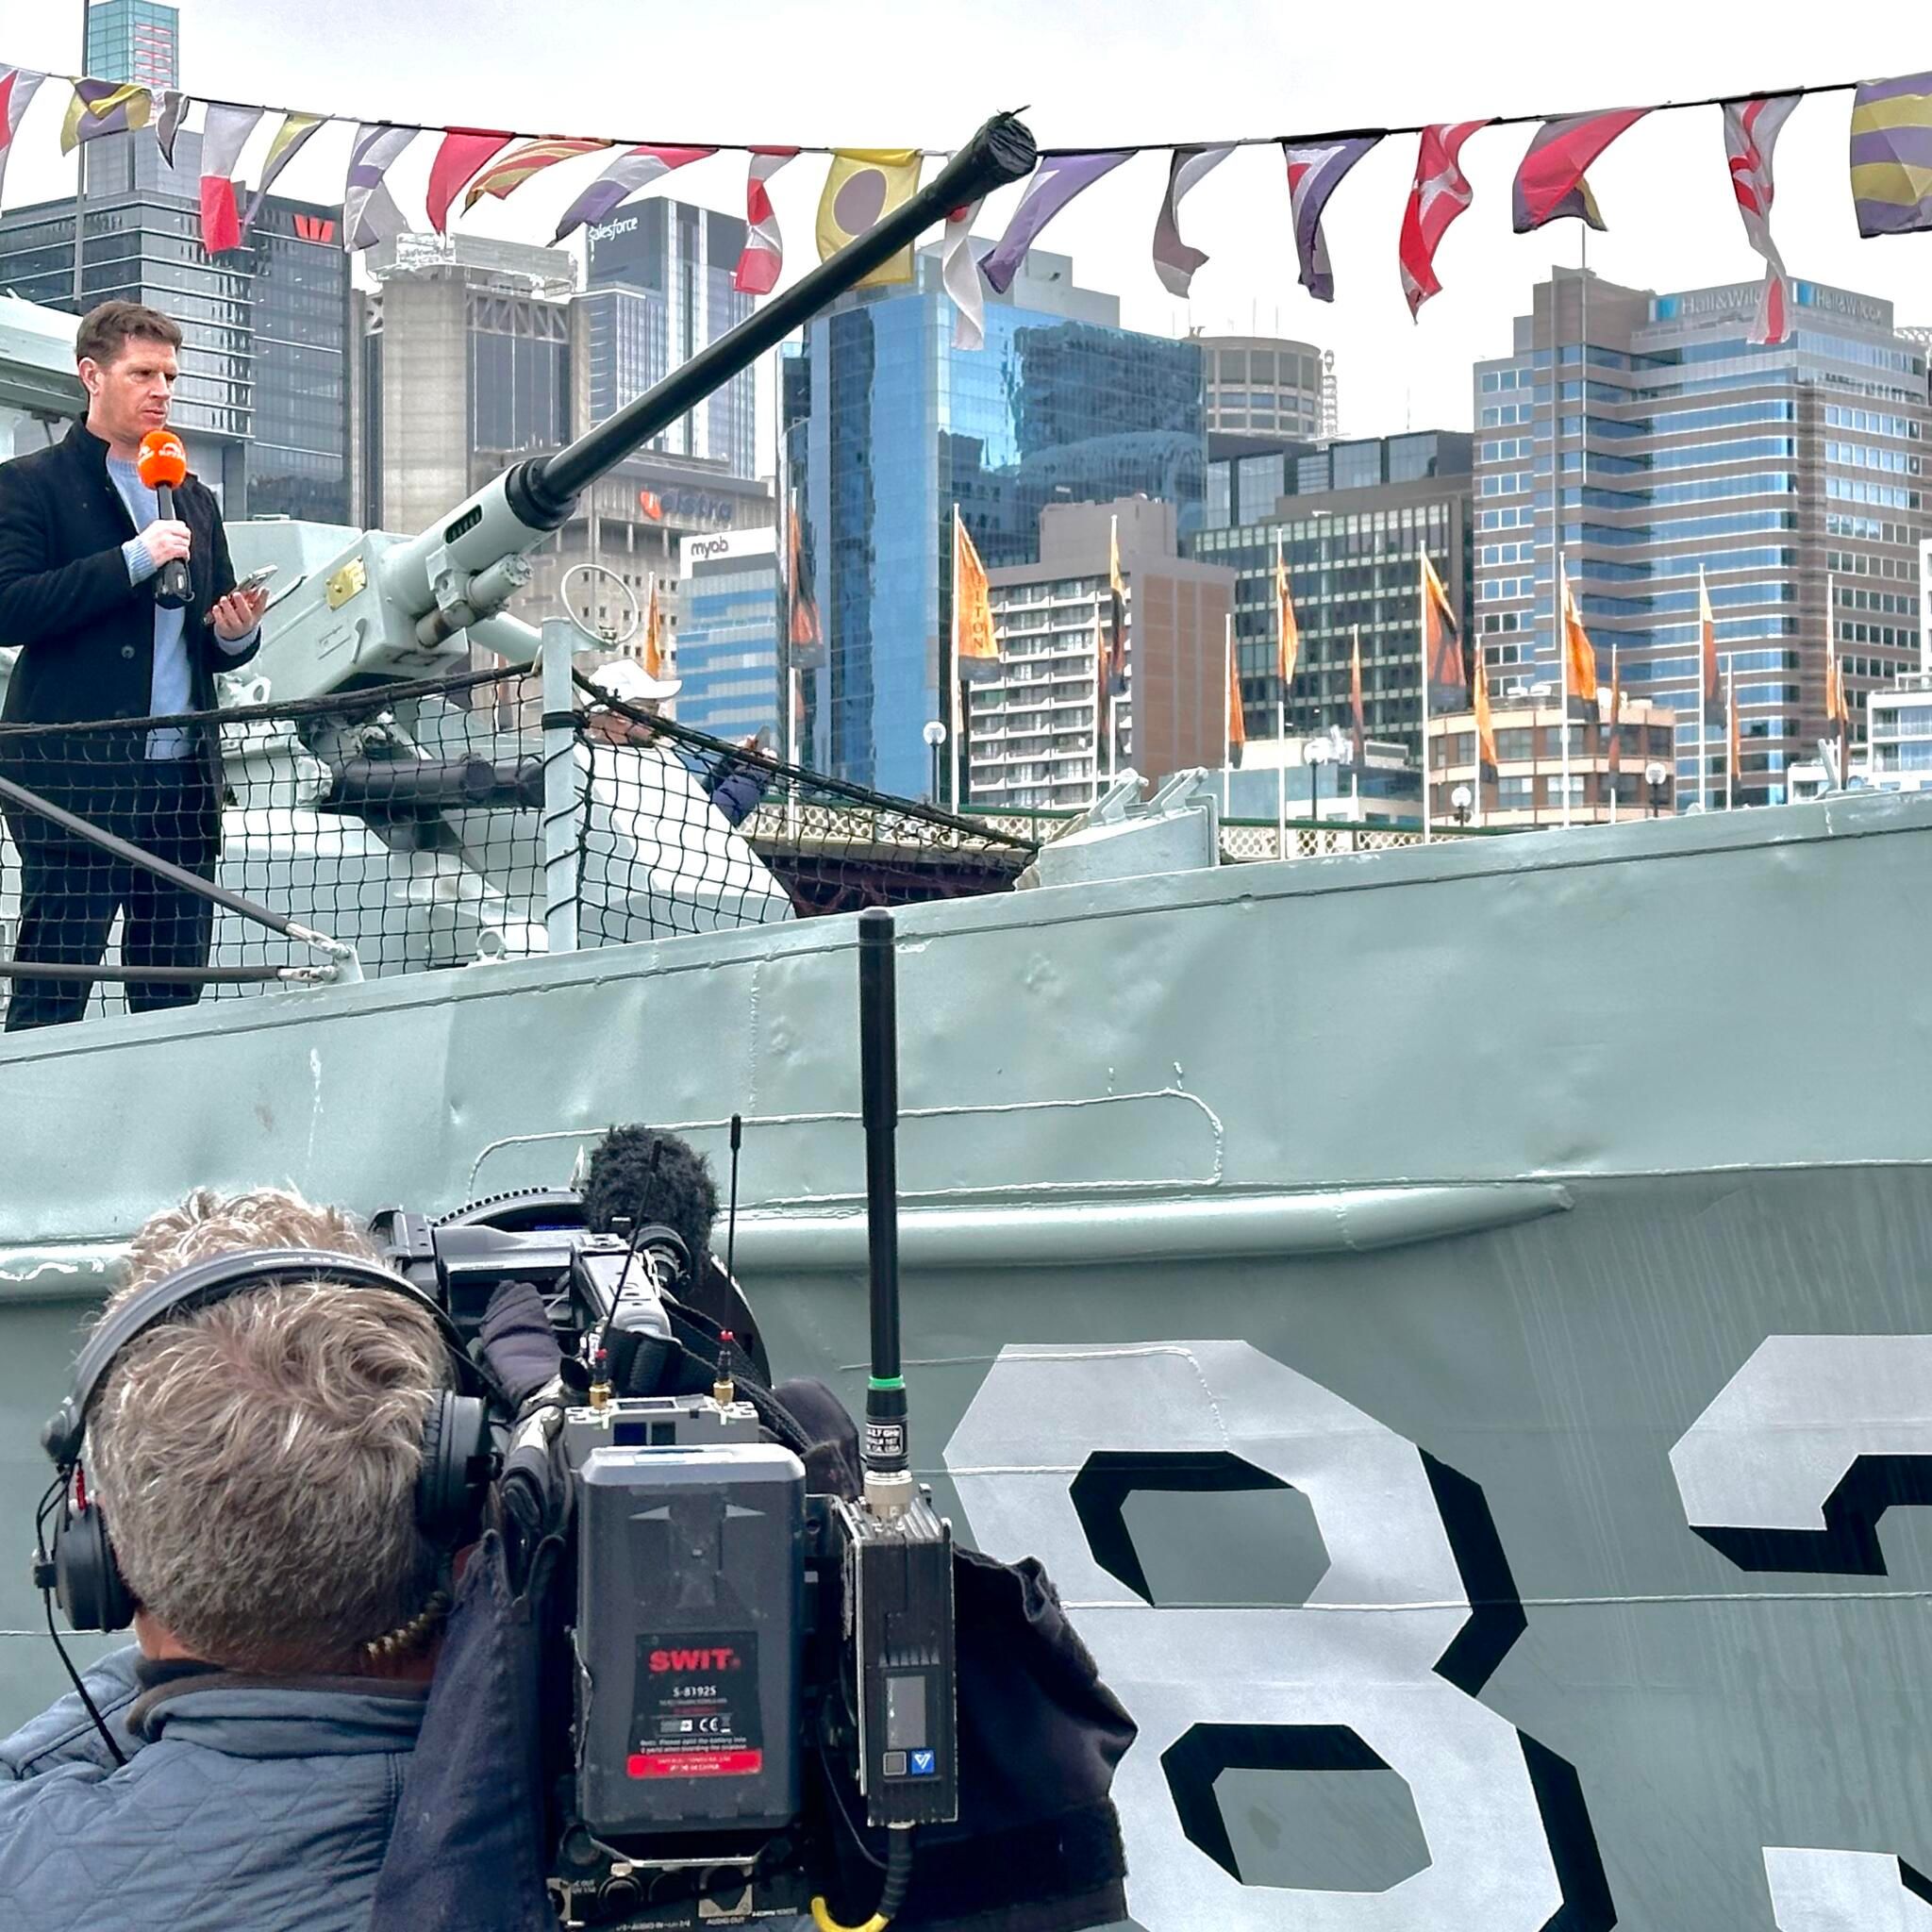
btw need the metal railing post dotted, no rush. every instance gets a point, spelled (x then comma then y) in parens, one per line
(346, 967)
(560, 882)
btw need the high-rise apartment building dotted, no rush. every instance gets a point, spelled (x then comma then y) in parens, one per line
(1782, 475)
(1038, 734)
(1061, 405)
(1350, 522)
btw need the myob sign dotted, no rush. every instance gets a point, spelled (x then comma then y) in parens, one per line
(728, 544)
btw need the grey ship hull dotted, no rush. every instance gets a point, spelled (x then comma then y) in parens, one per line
(1519, 1241)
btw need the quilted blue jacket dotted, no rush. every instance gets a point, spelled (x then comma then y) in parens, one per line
(243, 1803)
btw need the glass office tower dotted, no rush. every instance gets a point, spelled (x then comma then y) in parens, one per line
(1060, 405)
(1785, 475)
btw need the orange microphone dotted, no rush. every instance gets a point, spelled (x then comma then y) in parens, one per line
(162, 465)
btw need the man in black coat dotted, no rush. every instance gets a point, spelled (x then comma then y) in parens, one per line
(81, 542)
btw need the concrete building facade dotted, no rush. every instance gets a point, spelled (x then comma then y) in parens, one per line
(1266, 387)
(1527, 787)
(476, 354)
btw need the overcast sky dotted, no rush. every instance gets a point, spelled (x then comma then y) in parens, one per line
(1130, 72)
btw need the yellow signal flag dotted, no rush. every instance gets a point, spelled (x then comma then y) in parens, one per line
(101, 107)
(508, 173)
(864, 186)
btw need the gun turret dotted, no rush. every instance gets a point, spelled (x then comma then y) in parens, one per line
(389, 606)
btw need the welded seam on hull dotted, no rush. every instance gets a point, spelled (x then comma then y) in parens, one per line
(906, 1113)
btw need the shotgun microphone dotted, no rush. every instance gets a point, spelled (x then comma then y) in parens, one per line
(162, 465)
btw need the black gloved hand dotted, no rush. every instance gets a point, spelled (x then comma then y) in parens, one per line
(517, 1341)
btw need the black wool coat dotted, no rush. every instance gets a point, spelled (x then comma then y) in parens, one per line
(87, 635)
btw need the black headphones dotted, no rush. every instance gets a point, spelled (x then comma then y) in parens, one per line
(458, 1465)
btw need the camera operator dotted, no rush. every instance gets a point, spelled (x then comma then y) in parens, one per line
(256, 1459)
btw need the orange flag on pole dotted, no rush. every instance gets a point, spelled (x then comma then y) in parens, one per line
(1836, 710)
(1287, 631)
(979, 652)
(1706, 631)
(1580, 659)
(1447, 683)
(654, 635)
(1484, 724)
(1236, 722)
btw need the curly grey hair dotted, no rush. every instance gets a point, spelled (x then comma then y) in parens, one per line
(257, 1460)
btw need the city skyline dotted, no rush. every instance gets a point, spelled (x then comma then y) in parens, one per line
(1663, 187)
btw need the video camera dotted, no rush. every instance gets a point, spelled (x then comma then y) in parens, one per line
(729, 1651)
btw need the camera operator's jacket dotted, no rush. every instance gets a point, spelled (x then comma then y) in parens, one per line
(246, 1802)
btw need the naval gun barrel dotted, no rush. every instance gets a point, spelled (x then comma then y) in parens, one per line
(465, 567)
(1002, 151)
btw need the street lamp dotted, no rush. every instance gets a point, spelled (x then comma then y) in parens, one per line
(1460, 800)
(936, 736)
(1315, 754)
(1654, 775)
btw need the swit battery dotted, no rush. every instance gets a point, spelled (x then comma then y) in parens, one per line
(691, 1613)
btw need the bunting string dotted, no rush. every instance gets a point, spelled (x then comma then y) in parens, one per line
(1300, 137)
(1890, 161)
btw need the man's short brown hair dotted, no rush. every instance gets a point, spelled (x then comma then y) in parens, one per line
(106, 330)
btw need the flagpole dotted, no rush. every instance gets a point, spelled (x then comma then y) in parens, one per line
(1099, 698)
(1830, 661)
(958, 695)
(1227, 719)
(1702, 692)
(1281, 705)
(1616, 732)
(796, 695)
(1421, 645)
(1281, 774)
(1730, 733)
(1563, 662)
(1477, 671)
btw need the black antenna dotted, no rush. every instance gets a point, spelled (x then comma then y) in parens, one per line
(731, 1222)
(887, 1462)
